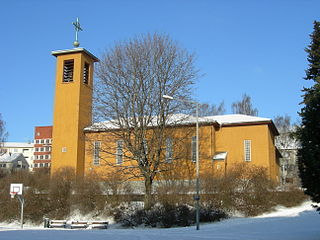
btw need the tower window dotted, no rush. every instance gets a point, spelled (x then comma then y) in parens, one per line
(68, 70)
(86, 73)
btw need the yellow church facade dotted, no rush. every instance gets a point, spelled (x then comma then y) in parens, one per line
(224, 141)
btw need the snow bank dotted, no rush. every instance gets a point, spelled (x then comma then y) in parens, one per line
(284, 224)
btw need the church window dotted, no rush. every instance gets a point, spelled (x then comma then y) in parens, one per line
(169, 150)
(96, 153)
(119, 153)
(247, 150)
(194, 149)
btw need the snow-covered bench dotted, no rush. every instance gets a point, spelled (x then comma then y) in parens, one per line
(57, 223)
(98, 225)
(78, 224)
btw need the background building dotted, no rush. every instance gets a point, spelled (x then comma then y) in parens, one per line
(42, 147)
(13, 162)
(26, 149)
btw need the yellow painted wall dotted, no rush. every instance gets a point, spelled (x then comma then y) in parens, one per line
(72, 112)
(231, 139)
(212, 139)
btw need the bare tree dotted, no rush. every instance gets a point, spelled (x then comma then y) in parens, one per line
(244, 106)
(133, 76)
(288, 146)
(3, 133)
(207, 109)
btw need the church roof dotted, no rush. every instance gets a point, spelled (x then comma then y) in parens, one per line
(183, 119)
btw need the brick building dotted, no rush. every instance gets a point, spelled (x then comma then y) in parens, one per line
(42, 147)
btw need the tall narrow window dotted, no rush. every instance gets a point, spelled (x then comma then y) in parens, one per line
(68, 70)
(145, 146)
(194, 149)
(247, 150)
(169, 150)
(96, 153)
(119, 153)
(86, 73)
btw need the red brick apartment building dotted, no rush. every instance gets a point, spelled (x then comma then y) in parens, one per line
(42, 147)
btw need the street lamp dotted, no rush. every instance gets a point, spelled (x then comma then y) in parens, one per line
(197, 196)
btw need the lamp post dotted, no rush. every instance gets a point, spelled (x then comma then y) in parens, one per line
(197, 196)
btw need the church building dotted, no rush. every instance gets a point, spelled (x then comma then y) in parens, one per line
(224, 141)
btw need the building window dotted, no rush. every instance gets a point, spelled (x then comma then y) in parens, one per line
(42, 149)
(96, 153)
(47, 141)
(47, 149)
(247, 150)
(169, 150)
(36, 149)
(145, 146)
(86, 73)
(36, 165)
(42, 141)
(193, 149)
(46, 157)
(119, 153)
(46, 164)
(68, 70)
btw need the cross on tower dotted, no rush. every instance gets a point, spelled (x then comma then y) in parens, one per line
(77, 28)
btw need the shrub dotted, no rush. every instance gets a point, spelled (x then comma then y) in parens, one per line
(245, 188)
(167, 216)
(87, 195)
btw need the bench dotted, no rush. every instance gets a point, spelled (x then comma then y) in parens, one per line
(78, 224)
(57, 223)
(98, 225)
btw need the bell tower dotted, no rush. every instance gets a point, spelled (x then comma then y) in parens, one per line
(72, 106)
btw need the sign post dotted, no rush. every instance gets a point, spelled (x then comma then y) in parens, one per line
(16, 190)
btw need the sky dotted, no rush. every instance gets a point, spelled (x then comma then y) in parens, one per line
(241, 47)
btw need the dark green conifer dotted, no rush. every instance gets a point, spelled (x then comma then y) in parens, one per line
(309, 132)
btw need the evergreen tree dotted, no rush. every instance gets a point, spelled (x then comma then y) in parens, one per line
(309, 132)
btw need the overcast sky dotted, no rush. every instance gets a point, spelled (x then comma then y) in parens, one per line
(253, 47)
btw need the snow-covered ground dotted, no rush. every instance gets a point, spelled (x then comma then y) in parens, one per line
(301, 222)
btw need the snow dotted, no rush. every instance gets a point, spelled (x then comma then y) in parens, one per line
(301, 222)
(183, 119)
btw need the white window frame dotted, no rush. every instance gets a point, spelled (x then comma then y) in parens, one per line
(96, 153)
(119, 152)
(194, 149)
(247, 150)
(169, 150)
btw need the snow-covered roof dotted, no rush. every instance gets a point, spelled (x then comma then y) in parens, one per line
(17, 145)
(7, 157)
(183, 119)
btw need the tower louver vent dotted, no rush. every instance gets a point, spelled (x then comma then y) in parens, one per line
(68, 70)
(86, 73)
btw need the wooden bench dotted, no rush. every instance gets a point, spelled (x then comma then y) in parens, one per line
(57, 223)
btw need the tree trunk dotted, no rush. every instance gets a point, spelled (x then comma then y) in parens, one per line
(148, 200)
